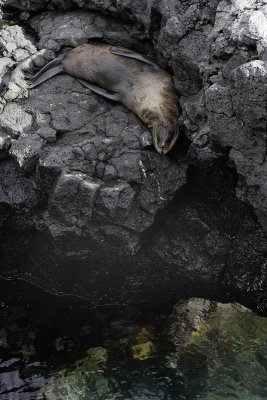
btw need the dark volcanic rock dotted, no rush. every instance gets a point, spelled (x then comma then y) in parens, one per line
(79, 167)
(86, 152)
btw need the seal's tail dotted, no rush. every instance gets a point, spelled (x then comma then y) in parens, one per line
(51, 69)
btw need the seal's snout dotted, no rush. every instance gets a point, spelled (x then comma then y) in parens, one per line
(162, 147)
(164, 137)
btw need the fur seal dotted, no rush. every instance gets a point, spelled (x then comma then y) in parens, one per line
(128, 78)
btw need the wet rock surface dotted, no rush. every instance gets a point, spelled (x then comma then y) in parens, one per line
(79, 168)
(206, 336)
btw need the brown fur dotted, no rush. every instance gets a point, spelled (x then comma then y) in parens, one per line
(143, 88)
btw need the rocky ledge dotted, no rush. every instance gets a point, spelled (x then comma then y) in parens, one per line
(81, 187)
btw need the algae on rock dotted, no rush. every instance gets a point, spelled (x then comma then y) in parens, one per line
(221, 350)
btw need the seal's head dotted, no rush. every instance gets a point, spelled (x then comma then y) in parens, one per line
(164, 136)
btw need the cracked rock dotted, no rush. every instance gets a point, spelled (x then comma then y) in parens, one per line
(89, 165)
(5, 144)
(73, 199)
(15, 120)
(86, 151)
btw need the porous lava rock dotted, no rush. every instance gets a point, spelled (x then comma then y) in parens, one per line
(77, 166)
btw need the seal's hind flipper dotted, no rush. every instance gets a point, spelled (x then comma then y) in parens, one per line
(131, 54)
(45, 76)
(49, 65)
(103, 92)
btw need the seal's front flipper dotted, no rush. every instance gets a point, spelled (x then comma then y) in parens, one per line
(103, 92)
(131, 54)
(45, 76)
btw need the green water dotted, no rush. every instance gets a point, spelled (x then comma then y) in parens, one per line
(203, 350)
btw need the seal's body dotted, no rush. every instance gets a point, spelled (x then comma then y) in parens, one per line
(126, 77)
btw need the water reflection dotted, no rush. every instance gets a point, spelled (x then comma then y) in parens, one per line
(204, 350)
